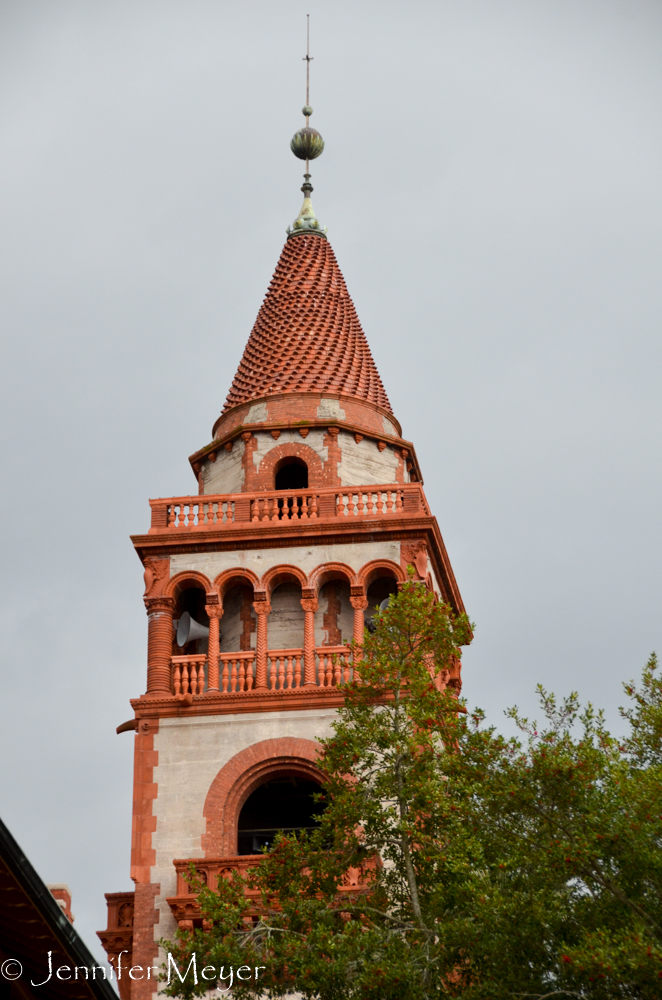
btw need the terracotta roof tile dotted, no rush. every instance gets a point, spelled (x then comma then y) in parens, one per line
(307, 336)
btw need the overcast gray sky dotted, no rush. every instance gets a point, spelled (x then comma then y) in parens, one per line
(491, 184)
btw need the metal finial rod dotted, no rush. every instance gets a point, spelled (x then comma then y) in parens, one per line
(307, 58)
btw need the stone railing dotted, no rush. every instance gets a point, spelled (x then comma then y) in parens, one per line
(184, 905)
(285, 671)
(219, 512)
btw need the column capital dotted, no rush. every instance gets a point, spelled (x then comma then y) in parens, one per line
(213, 605)
(262, 607)
(359, 603)
(153, 605)
(309, 604)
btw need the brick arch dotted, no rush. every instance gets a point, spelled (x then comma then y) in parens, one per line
(332, 571)
(235, 577)
(175, 586)
(266, 473)
(377, 567)
(242, 774)
(282, 574)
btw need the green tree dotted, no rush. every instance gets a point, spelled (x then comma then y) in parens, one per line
(450, 861)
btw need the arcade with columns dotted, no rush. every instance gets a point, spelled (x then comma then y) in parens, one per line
(309, 512)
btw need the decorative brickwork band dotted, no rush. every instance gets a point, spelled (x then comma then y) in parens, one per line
(215, 612)
(359, 604)
(159, 643)
(310, 607)
(262, 610)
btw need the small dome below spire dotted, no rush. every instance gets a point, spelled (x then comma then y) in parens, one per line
(306, 221)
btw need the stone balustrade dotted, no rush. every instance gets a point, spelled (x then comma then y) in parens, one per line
(285, 671)
(280, 507)
(184, 905)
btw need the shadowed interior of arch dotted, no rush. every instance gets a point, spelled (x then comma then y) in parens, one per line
(292, 474)
(283, 804)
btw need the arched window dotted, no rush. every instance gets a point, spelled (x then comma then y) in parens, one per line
(292, 474)
(283, 804)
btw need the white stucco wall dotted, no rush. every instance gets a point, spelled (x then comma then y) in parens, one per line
(191, 752)
(363, 464)
(355, 554)
(226, 474)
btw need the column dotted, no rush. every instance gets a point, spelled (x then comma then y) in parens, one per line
(309, 605)
(359, 602)
(159, 644)
(262, 610)
(215, 612)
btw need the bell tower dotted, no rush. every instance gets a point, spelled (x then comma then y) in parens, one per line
(309, 512)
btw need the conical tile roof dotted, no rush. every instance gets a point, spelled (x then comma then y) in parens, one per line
(307, 336)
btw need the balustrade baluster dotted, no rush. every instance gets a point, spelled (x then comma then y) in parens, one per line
(329, 671)
(347, 671)
(337, 673)
(281, 672)
(391, 502)
(297, 672)
(177, 681)
(265, 510)
(255, 510)
(290, 672)
(303, 513)
(225, 678)
(185, 688)
(398, 501)
(364, 501)
(249, 675)
(271, 671)
(201, 678)
(313, 507)
(242, 676)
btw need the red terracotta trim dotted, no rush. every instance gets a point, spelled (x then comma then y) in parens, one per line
(281, 574)
(238, 576)
(175, 585)
(332, 571)
(371, 570)
(242, 775)
(238, 704)
(264, 477)
(145, 791)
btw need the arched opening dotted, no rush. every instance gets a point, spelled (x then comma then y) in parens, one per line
(291, 474)
(379, 591)
(286, 621)
(239, 620)
(191, 600)
(283, 804)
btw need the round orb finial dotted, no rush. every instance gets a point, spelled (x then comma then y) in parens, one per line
(306, 111)
(307, 144)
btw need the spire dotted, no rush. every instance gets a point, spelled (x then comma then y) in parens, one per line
(307, 336)
(307, 144)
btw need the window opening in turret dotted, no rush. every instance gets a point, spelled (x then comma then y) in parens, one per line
(292, 475)
(284, 804)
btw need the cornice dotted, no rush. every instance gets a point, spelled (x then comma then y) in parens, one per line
(312, 424)
(288, 700)
(266, 534)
